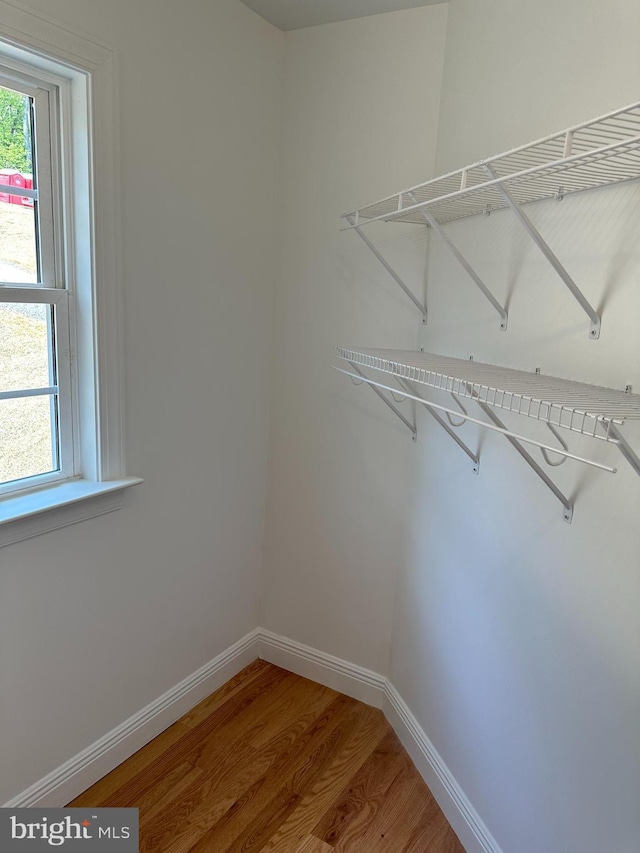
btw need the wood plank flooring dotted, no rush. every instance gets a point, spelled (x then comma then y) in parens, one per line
(273, 763)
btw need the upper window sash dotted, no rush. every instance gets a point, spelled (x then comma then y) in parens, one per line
(46, 177)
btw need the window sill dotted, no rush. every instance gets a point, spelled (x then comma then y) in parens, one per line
(29, 515)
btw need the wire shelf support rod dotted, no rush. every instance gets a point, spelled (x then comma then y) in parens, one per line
(442, 234)
(541, 243)
(445, 426)
(624, 447)
(567, 506)
(410, 426)
(394, 275)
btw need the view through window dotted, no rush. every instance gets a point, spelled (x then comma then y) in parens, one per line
(32, 303)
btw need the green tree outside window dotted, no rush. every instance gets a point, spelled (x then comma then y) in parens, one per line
(15, 132)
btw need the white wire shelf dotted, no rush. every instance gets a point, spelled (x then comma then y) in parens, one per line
(575, 406)
(603, 151)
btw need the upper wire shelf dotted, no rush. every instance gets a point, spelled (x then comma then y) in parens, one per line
(603, 151)
(576, 406)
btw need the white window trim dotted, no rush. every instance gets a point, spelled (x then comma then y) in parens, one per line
(91, 71)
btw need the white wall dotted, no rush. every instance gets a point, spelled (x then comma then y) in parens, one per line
(513, 636)
(98, 619)
(516, 637)
(360, 104)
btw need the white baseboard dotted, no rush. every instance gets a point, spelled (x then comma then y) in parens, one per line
(85, 768)
(464, 819)
(376, 690)
(345, 677)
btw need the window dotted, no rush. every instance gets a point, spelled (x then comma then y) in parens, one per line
(36, 403)
(61, 449)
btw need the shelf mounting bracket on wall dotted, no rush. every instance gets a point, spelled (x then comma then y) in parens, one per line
(497, 425)
(624, 447)
(410, 426)
(442, 234)
(541, 243)
(589, 410)
(598, 153)
(394, 275)
(445, 426)
(567, 506)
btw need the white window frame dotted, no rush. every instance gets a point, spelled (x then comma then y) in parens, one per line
(83, 73)
(55, 285)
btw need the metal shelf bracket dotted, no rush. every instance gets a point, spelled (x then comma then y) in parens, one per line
(442, 234)
(541, 243)
(351, 219)
(588, 410)
(624, 447)
(475, 459)
(567, 506)
(410, 426)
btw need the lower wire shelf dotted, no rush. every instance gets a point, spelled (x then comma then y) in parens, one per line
(563, 405)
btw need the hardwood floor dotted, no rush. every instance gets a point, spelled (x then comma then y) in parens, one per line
(273, 763)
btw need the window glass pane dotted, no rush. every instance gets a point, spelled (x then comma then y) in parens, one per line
(27, 425)
(18, 244)
(25, 352)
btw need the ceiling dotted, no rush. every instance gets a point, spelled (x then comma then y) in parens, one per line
(295, 14)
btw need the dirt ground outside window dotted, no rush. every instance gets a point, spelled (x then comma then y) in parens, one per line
(25, 424)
